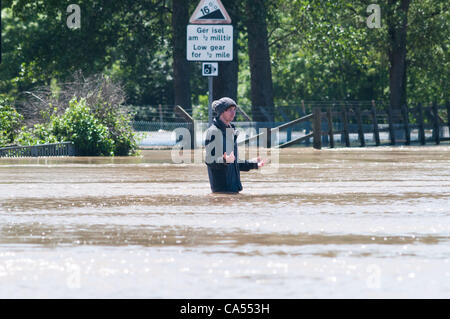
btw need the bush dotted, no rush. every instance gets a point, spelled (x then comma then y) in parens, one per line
(102, 131)
(119, 127)
(80, 126)
(86, 112)
(37, 135)
(10, 122)
(99, 94)
(200, 111)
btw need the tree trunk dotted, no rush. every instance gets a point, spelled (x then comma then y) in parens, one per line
(397, 27)
(181, 67)
(260, 68)
(226, 84)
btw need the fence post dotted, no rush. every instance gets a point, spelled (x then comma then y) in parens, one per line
(346, 136)
(391, 124)
(160, 116)
(289, 134)
(376, 131)
(405, 114)
(268, 136)
(308, 126)
(435, 123)
(330, 126)
(269, 119)
(286, 119)
(34, 151)
(421, 124)
(360, 127)
(72, 150)
(317, 128)
(448, 116)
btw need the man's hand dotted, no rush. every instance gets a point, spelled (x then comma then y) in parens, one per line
(261, 162)
(229, 158)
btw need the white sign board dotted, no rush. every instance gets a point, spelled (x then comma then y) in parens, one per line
(209, 43)
(210, 69)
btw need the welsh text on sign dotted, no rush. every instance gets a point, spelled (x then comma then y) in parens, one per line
(209, 43)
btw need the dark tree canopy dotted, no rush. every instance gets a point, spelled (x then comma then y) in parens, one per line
(285, 51)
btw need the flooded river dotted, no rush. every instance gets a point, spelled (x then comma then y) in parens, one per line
(344, 223)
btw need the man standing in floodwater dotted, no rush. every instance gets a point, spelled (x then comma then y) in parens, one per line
(222, 152)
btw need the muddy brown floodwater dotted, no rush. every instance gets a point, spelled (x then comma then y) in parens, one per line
(343, 223)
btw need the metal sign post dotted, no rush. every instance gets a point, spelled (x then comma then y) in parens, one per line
(209, 38)
(210, 70)
(210, 99)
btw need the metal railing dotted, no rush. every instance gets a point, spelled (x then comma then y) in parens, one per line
(55, 149)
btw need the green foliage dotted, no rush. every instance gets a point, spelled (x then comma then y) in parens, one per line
(37, 135)
(323, 51)
(80, 126)
(429, 51)
(200, 111)
(119, 127)
(101, 131)
(127, 39)
(10, 122)
(319, 49)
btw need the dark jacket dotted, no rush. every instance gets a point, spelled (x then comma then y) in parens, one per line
(224, 177)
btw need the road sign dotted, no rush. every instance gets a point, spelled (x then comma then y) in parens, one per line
(210, 12)
(209, 43)
(210, 69)
(210, 38)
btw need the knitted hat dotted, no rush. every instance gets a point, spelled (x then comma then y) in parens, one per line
(221, 105)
